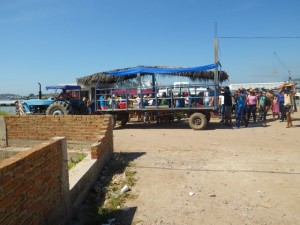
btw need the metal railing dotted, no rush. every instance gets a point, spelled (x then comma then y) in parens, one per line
(157, 97)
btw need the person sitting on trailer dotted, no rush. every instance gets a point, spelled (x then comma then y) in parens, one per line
(102, 102)
(179, 101)
(152, 101)
(164, 100)
(109, 102)
(186, 99)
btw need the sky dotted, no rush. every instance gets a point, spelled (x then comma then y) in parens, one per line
(56, 41)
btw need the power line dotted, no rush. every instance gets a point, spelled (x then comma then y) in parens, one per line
(259, 37)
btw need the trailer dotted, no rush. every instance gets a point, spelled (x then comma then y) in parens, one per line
(171, 105)
(167, 101)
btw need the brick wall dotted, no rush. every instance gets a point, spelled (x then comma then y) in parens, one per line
(30, 183)
(73, 127)
(43, 127)
(34, 184)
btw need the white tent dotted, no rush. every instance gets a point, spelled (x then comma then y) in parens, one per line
(271, 85)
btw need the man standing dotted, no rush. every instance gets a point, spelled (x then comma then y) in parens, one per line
(227, 105)
(262, 107)
(222, 107)
(240, 114)
(281, 106)
(288, 95)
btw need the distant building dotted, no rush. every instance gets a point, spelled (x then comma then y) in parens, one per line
(270, 85)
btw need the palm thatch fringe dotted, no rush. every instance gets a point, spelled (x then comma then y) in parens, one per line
(103, 77)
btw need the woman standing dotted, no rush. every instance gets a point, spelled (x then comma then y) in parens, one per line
(275, 107)
(251, 105)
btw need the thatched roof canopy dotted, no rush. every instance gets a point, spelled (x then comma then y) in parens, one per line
(119, 75)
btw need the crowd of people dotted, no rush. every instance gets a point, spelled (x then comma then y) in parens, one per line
(245, 106)
(254, 104)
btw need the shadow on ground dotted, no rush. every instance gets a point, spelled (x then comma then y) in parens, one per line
(140, 125)
(212, 125)
(104, 204)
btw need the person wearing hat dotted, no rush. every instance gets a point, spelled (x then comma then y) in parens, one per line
(251, 105)
(227, 105)
(240, 114)
(288, 95)
(281, 106)
(262, 107)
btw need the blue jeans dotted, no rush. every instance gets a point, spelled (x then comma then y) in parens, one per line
(222, 111)
(240, 116)
(281, 109)
(262, 113)
(251, 109)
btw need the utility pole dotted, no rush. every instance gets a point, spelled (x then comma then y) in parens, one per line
(216, 74)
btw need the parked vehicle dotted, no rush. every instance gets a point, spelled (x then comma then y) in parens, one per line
(167, 101)
(62, 104)
(179, 101)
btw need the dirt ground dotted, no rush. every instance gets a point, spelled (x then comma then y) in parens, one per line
(215, 176)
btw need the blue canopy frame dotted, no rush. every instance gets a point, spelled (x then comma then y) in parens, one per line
(65, 87)
(152, 70)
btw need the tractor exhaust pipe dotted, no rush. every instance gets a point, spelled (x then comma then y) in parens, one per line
(40, 91)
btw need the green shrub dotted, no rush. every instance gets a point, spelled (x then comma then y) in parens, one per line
(73, 162)
(2, 113)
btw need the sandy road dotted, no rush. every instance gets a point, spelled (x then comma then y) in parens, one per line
(215, 176)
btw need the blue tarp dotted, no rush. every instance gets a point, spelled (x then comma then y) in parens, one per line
(151, 70)
(66, 87)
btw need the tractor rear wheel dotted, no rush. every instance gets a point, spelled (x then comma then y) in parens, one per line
(59, 108)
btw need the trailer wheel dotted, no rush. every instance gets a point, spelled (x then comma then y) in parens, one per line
(122, 122)
(198, 121)
(122, 118)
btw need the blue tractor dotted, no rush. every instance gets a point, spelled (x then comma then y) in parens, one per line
(62, 104)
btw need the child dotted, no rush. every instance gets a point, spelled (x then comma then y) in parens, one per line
(275, 107)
